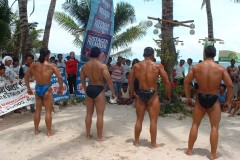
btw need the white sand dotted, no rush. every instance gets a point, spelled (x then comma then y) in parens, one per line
(18, 141)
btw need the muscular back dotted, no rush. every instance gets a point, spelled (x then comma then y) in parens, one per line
(209, 75)
(42, 72)
(94, 72)
(147, 73)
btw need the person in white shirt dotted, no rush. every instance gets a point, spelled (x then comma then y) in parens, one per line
(179, 72)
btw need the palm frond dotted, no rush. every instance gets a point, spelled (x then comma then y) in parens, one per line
(67, 23)
(77, 42)
(130, 35)
(124, 13)
(79, 11)
(203, 4)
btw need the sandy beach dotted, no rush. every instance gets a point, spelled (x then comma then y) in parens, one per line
(69, 143)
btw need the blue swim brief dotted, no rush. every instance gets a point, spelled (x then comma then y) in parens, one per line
(41, 89)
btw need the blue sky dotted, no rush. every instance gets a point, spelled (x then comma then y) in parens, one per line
(225, 22)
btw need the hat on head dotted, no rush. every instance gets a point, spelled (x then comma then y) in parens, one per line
(6, 58)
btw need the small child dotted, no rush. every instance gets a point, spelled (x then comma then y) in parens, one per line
(222, 97)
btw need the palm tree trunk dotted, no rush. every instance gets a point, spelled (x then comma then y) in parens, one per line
(22, 4)
(210, 19)
(48, 24)
(168, 50)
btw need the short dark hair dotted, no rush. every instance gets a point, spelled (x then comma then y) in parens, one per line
(223, 85)
(148, 51)
(210, 51)
(125, 84)
(29, 55)
(43, 53)
(189, 59)
(233, 60)
(2, 67)
(15, 59)
(95, 51)
(60, 54)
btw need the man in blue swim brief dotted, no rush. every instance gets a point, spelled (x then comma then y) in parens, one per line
(42, 72)
(208, 75)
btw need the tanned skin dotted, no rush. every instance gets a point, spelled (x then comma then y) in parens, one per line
(208, 75)
(42, 73)
(95, 71)
(147, 73)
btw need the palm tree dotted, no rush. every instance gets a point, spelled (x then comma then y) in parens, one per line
(48, 23)
(25, 49)
(79, 12)
(5, 20)
(209, 17)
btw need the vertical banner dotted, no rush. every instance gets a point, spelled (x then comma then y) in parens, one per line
(54, 82)
(80, 93)
(99, 31)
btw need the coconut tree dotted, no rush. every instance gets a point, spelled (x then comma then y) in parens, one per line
(5, 19)
(48, 23)
(23, 14)
(75, 22)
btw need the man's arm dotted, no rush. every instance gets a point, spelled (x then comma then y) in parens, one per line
(108, 79)
(26, 78)
(164, 77)
(131, 79)
(228, 82)
(59, 77)
(83, 78)
(187, 87)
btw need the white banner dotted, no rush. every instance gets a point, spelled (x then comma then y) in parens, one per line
(14, 96)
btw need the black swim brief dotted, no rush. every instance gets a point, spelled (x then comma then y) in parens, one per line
(93, 91)
(207, 100)
(145, 95)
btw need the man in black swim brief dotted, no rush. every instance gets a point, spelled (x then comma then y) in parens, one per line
(208, 76)
(146, 98)
(95, 71)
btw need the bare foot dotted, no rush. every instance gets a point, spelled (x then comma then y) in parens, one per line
(50, 133)
(213, 157)
(155, 146)
(88, 137)
(188, 152)
(37, 132)
(102, 139)
(136, 144)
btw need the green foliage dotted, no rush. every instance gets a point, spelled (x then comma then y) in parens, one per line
(176, 105)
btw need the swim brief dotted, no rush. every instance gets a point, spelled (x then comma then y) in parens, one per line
(207, 100)
(93, 91)
(145, 95)
(41, 89)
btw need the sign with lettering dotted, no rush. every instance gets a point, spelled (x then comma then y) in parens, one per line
(14, 96)
(80, 93)
(55, 86)
(99, 30)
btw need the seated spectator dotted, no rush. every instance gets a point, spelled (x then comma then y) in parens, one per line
(222, 97)
(124, 97)
(235, 105)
